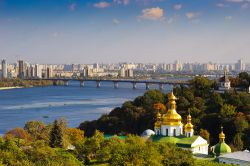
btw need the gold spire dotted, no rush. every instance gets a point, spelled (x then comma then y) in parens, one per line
(171, 96)
(171, 117)
(222, 135)
(189, 126)
(158, 120)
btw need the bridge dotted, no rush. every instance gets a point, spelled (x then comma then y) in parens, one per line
(116, 82)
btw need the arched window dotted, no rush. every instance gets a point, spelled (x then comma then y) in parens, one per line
(174, 132)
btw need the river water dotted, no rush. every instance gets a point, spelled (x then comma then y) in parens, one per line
(75, 103)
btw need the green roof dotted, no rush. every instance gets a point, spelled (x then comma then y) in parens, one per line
(221, 148)
(108, 136)
(181, 141)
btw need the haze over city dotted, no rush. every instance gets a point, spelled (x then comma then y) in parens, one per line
(111, 31)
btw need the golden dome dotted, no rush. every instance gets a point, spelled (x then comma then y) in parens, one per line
(158, 115)
(158, 120)
(171, 117)
(189, 127)
(222, 135)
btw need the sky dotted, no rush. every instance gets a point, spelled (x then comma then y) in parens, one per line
(112, 31)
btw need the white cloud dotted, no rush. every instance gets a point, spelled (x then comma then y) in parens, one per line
(235, 1)
(115, 21)
(221, 5)
(177, 6)
(153, 13)
(102, 4)
(72, 7)
(121, 2)
(191, 15)
(228, 18)
(245, 6)
(238, 1)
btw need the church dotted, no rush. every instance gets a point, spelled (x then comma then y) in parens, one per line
(169, 128)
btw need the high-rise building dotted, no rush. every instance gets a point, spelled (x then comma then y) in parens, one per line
(49, 72)
(239, 66)
(122, 72)
(4, 69)
(38, 71)
(21, 69)
(129, 73)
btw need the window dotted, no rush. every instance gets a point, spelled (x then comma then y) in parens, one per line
(174, 132)
(166, 132)
(189, 135)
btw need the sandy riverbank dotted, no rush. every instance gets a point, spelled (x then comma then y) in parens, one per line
(12, 87)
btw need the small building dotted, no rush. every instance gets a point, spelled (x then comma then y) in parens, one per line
(169, 128)
(225, 83)
(241, 158)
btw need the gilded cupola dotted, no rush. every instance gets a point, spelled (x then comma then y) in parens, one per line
(189, 126)
(171, 118)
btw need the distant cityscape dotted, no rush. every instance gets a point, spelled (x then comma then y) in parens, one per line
(22, 69)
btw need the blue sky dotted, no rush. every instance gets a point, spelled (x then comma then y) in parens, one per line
(110, 31)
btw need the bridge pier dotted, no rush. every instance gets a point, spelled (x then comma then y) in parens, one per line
(81, 83)
(54, 83)
(161, 86)
(115, 84)
(66, 83)
(134, 85)
(147, 86)
(98, 84)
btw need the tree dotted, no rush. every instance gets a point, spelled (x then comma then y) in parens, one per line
(92, 145)
(174, 156)
(37, 130)
(215, 103)
(160, 107)
(183, 103)
(201, 86)
(205, 134)
(199, 103)
(227, 111)
(19, 134)
(237, 141)
(240, 122)
(75, 135)
(56, 136)
(151, 97)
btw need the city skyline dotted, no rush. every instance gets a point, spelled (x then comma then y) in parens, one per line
(113, 31)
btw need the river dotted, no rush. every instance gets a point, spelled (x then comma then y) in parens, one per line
(75, 103)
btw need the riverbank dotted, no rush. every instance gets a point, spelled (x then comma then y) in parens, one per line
(12, 87)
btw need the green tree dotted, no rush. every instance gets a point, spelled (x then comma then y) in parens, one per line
(237, 141)
(92, 145)
(201, 86)
(56, 136)
(215, 103)
(241, 123)
(37, 129)
(227, 111)
(151, 97)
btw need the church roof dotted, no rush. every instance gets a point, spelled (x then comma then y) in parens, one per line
(221, 148)
(240, 155)
(107, 136)
(148, 132)
(180, 141)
